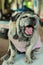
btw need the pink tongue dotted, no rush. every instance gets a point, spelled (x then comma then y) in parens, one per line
(28, 30)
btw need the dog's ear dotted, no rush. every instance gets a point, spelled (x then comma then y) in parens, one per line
(37, 21)
(37, 18)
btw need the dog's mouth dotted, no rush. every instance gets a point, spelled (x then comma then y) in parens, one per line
(29, 30)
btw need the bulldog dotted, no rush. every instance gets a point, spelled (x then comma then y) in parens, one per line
(23, 28)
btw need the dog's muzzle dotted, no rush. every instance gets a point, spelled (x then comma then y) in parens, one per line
(29, 30)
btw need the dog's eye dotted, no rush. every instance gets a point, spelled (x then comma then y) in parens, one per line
(24, 17)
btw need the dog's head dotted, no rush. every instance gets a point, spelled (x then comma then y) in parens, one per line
(28, 24)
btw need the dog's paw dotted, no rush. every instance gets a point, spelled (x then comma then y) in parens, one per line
(2, 58)
(28, 60)
(33, 57)
(10, 61)
(5, 57)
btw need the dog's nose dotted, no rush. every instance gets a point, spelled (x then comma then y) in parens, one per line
(32, 21)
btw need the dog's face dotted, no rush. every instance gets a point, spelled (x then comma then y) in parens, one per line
(28, 25)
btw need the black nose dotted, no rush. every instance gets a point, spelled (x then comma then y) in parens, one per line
(32, 21)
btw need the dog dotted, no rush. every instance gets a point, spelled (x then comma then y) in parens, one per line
(25, 29)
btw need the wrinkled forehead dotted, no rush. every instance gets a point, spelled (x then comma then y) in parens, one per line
(26, 19)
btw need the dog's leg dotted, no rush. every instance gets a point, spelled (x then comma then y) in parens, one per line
(29, 48)
(28, 54)
(33, 57)
(12, 55)
(6, 56)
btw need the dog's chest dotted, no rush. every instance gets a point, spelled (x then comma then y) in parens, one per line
(21, 46)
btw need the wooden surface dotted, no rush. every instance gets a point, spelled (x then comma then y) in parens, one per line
(3, 47)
